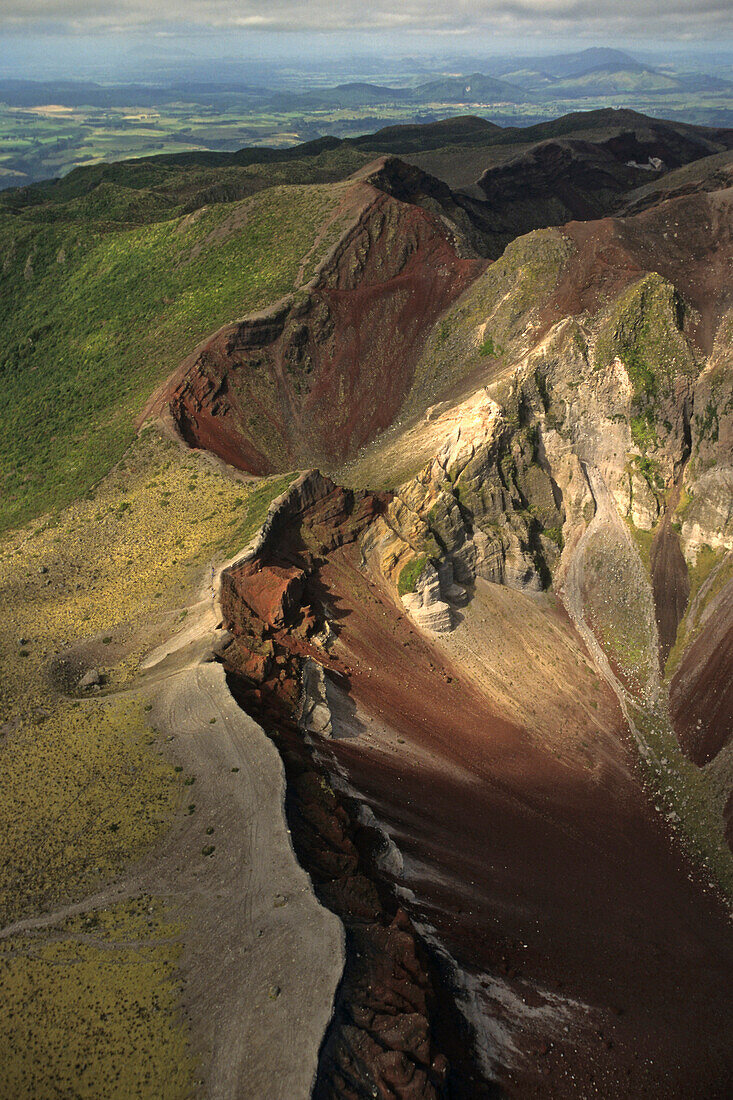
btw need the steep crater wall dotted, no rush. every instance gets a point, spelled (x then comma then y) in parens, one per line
(322, 373)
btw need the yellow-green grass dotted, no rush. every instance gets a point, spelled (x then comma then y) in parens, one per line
(89, 1009)
(129, 557)
(94, 315)
(81, 795)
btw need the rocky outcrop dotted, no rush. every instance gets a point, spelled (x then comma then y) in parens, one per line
(482, 508)
(266, 592)
(382, 1040)
(321, 373)
(315, 713)
(426, 603)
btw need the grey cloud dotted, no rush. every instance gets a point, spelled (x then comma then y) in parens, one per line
(437, 16)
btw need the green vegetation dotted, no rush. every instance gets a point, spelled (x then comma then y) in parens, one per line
(682, 791)
(644, 329)
(410, 574)
(95, 316)
(91, 1006)
(489, 349)
(503, 300)
(643, 431)
(81, 796)
(555, 535)
(251, 517)
(37, 143)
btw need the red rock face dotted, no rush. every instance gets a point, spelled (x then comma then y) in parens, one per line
(554, 878)
(266, 599)
(311, 382)
(382, 1037)
(274, 592)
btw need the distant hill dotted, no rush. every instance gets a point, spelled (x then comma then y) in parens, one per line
(475, 88)
(565, 66)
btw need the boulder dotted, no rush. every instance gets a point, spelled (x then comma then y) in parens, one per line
(315, 713)
(90, 679)
(274, 592)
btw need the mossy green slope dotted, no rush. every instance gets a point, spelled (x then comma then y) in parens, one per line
(94, 316)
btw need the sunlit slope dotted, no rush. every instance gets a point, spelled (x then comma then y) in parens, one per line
(96, 312)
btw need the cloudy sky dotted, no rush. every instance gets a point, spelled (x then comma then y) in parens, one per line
(648, 19)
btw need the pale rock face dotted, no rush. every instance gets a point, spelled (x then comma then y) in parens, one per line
(709, 515)
(644, 506)
(426, 604)
(467, 512)
(315, 713)
(506, 497)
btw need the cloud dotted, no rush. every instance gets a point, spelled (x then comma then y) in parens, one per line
(673, 18)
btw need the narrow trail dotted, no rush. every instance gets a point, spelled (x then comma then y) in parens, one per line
(261, 958)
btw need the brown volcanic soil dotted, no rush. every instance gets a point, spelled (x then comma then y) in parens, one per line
(312, 380)
(701, 692)
(688, 240)
(540, 866)
(514, 848)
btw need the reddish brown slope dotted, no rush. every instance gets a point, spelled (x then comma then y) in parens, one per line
(553, 877)
(688, 240)
(317, 377)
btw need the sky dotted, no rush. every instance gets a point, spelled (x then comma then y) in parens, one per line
(120, 39)
(652, 19)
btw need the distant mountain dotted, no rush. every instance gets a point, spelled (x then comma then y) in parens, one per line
(464, 130)
(343, 95)
(566, 66)
(475, 88)
(79, 93)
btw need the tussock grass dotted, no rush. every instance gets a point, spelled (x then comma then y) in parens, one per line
(89, 1009)
(132, 553)
(81, 795)
(93, 316)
